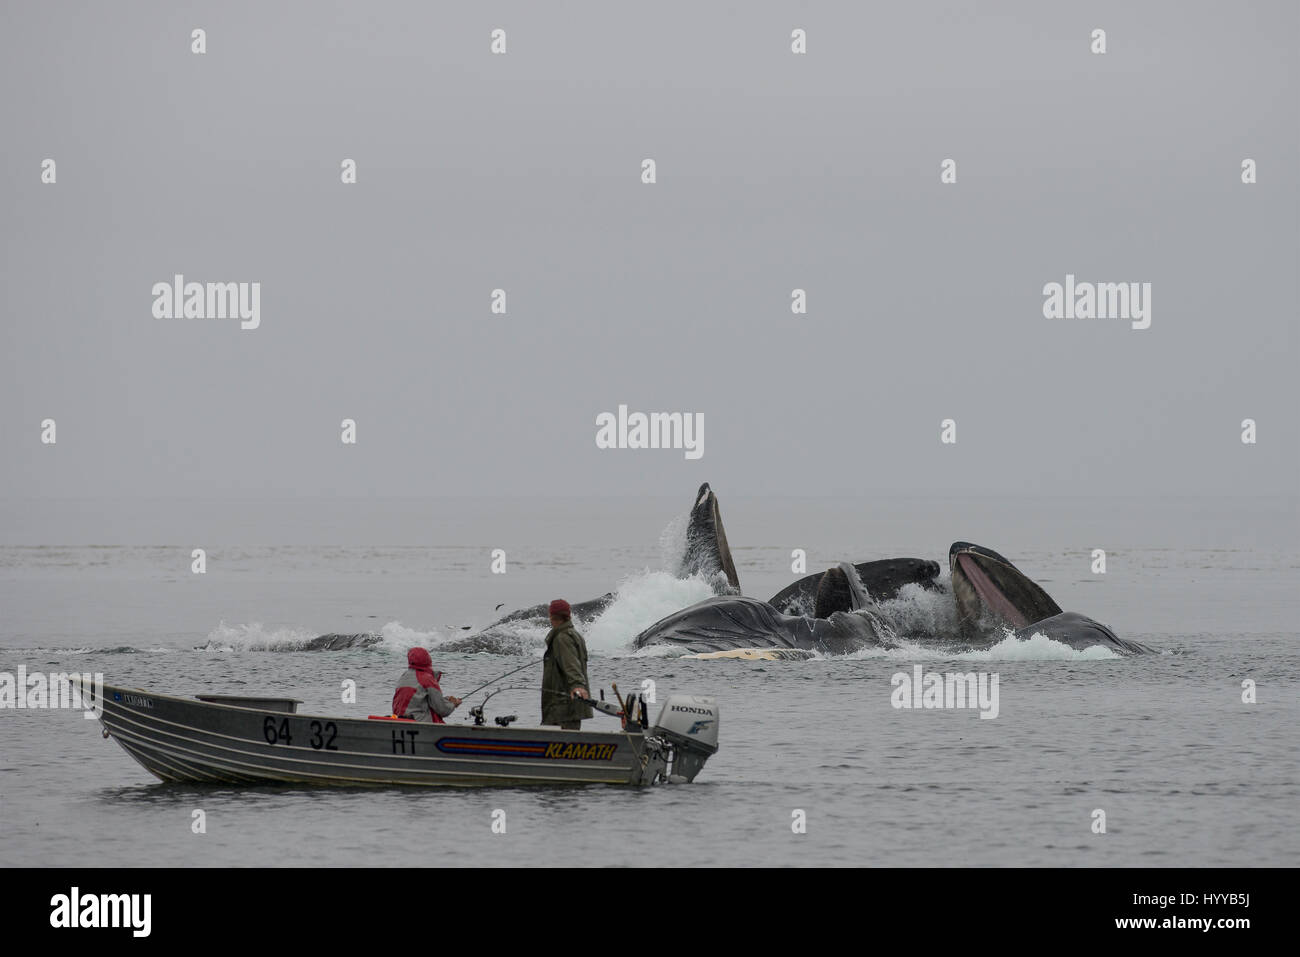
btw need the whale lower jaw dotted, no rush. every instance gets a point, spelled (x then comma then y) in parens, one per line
(1081, 633)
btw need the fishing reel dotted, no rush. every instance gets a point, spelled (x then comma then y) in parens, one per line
(504, 720)
(630, 710)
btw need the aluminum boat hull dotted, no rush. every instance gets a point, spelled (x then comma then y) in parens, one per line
(228, 740)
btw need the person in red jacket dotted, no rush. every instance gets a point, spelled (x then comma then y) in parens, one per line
(418, 694)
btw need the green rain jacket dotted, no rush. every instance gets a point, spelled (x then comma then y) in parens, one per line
(564, 667)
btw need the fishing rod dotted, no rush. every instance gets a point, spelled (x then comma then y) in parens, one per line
(507, 675)
(478, 712)
(599, 705)
(530, 664)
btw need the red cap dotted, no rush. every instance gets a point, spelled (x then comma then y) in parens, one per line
(560, 608)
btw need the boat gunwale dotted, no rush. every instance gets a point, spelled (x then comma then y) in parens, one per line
(363, 722)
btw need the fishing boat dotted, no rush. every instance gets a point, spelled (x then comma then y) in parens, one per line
(230, 739)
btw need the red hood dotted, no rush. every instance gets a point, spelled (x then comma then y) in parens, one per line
(419, 661)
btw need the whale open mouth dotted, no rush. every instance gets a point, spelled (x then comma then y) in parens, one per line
(707, 551)
(985, 583)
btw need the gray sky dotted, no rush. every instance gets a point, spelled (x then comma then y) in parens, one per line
(522, 172)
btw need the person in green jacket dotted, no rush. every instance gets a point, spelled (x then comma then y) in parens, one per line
(564, 672)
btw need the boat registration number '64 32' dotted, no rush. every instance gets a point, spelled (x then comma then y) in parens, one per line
(320, 736)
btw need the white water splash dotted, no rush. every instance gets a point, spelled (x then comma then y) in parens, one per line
(254, 636)
(1037, 647)
(398, 637)
(641, 600)
(916, 610)
(672, 544)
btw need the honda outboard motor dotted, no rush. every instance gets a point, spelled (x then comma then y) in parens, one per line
(690, 725)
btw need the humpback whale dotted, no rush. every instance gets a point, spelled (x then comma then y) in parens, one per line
(833, 590)
(991, 595)
(845, 588)
(734, 622)
(705, 554)
(831, 612)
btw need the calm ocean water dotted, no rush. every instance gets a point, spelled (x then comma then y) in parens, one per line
(1186, 773)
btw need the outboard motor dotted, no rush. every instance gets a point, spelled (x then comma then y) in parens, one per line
(690, 725)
